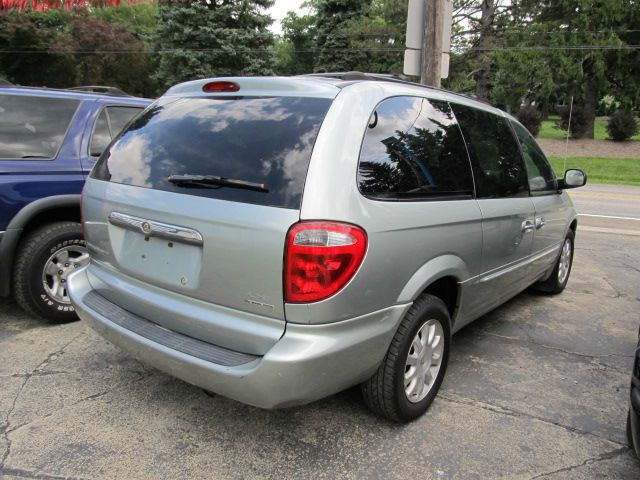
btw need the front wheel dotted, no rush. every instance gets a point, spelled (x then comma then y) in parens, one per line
(411, 373)
(44, 260)
(560, 275)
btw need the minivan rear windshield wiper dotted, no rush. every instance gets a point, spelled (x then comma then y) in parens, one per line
(212, 181)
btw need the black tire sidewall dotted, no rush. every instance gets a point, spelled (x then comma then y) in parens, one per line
(46, 306)
(557, 287)
(431, 310)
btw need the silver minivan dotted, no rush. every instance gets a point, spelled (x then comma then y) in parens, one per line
(277, 240)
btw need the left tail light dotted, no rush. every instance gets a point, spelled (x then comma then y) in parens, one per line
(320, 259)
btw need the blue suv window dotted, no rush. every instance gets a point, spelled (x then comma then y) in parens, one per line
(33, 127)
(413, 149)
(266, 141)
(108, 125)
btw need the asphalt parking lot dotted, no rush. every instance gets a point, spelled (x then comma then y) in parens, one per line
(536, 389)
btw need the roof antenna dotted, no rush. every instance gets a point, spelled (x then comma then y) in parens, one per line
(566, 149)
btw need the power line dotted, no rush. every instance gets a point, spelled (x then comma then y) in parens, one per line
(316, 50)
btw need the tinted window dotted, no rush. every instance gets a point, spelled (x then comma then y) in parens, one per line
(108, 125)
(120, 116)
(497, 164)
(539, 172)
(33, 127)
(413, 148)
(101, 136)
(261, 140)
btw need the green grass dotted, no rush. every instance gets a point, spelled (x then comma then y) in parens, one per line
(548, 129)
(621, 171)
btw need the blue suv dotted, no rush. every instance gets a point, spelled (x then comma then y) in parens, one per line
(49, 141)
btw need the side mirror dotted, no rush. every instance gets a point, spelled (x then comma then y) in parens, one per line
(573, 178)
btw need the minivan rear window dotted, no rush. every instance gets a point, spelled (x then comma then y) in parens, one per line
(262, 140)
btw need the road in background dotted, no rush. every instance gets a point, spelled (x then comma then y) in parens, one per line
(612, 207)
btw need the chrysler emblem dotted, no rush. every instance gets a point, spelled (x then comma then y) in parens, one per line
(146, 228)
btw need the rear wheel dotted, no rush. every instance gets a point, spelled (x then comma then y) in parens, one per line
(629, 435)
(560, 275)
(44, 260)
(411, 373)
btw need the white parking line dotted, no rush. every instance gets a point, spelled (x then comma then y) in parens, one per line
(608, 216)
(611, 231)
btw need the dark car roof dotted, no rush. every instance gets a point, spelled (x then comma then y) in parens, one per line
(77, 94)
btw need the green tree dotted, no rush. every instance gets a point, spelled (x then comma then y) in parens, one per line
(108, 54)
(333, 40)
(380, 34)
(58, 48)
(295, 51)
(203, 38)
(26, 55)
(566, 48)
(139, 18)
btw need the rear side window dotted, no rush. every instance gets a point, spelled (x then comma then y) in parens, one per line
(266, 140)
(412, 150)
(101, 136)
(497, 164)
(539, 172)
(33, 127)
(120, 116)
(108, 125)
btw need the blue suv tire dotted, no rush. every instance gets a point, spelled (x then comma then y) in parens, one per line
(43, 261)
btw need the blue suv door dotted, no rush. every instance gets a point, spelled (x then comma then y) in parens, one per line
(39, 138)
(47, 139)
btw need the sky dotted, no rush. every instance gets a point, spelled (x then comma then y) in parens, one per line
(279, 10)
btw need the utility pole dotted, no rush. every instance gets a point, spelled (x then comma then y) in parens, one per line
(428, 40)
(431, 61)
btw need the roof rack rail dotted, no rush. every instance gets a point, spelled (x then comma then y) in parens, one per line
(387, 77)
(113, 91)
(351, 76)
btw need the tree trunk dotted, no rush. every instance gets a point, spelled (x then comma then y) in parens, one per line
(590, 92)
(482, 73)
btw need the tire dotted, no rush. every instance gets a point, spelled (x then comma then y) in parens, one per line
(629, 436)
(557, 281)
(60, 247)
(384, 393)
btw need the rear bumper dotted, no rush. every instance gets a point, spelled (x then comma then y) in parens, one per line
(309, 362)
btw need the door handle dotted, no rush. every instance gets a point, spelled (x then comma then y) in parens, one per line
(540, 223)
(527, 226)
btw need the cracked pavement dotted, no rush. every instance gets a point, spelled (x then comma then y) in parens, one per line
(537, 389)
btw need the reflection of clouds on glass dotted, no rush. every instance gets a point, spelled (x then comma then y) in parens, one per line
(294, 162)
(261, 110)
(33, 125)
(266, 140)
(130, 168)
(401, 114)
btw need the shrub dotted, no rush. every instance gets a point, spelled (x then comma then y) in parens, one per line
(622, 126)
(531, 118)
(580, 121)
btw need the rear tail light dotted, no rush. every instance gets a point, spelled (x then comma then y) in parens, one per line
(320, 259)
